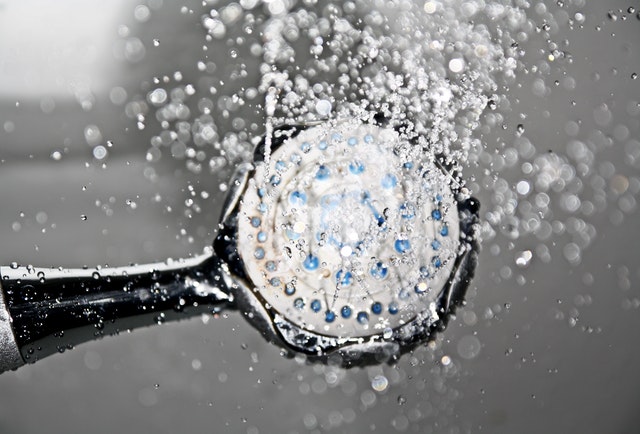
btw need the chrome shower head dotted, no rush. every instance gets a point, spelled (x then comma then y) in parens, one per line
(342, 240)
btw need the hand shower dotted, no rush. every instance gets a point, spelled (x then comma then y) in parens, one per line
(335, 239)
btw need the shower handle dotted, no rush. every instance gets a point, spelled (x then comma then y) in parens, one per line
(47, 311)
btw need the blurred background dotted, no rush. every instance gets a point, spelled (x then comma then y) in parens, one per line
(546, 342)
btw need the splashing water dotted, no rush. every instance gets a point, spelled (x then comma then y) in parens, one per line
(476, 81)
(333, 60)
(443, 72)
(435, 81)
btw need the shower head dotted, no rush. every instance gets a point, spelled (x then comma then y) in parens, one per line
(346, 237)
(341, 237)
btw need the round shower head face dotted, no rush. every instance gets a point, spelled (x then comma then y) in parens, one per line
(345, 237)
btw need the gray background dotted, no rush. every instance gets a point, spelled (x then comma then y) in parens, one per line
(558, 353)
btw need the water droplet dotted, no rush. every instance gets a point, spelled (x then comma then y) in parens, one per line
(402, 246)
(42, 217)
(157, 96)
(141, 13)
(329, 316)
(323, 107)
(379, 383)
(376, 308)
(524, 258)
(311, 262)
(196, 364)
(100, 152)
(469, 347)
(316, 305)
(456, 65)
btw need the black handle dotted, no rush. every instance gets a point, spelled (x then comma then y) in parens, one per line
(53, 310)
